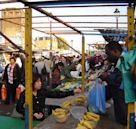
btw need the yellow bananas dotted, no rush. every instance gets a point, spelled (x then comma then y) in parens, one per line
(80, 100)
(91, 116)
(60, 115)
(67, 105)
(58, 111)
(88, 121)
(86, 124)
(79, 126)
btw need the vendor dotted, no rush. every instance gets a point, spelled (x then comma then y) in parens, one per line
(39, 96)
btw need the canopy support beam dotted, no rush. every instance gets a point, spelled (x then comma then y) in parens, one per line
(130, 44)
(28, 69)
(83, 64)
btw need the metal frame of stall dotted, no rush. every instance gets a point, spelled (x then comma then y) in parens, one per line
(28, 52)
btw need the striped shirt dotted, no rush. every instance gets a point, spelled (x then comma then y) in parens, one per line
(10, 74)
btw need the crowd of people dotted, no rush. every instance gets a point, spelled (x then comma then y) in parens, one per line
(49, 73)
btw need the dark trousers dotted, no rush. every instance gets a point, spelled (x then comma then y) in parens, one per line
(11, 93)
(120, 107)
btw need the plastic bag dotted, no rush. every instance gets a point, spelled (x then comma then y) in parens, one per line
(18, 92)
(96, 98)
(3, 93)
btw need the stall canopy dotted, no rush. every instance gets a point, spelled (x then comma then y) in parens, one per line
(116, 34)
(58, 2)
(88, 22)
(4, 48)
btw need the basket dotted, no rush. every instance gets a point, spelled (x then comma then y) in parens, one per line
(61, 118)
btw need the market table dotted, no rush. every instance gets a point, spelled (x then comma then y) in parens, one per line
(50, 123)
(59, 101)
(107, 121)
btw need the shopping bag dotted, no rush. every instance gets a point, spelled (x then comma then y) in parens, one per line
(96, 98)
(3, 92)
(18, 92)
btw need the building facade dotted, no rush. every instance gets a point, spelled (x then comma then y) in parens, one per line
(11, 25)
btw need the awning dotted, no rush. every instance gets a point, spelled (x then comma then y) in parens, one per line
(114, 34)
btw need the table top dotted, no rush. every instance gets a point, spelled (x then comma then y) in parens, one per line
(50, 123)
(58, 102)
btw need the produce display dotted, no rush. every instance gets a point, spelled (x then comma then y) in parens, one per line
(67, 105)
(84, 124)
(89, 116)
(88, 121)
(60, 115)
(81, 100)
(68, 85)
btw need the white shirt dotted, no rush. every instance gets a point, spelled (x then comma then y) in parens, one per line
(40, 65)
(18, 61)
(79, 68)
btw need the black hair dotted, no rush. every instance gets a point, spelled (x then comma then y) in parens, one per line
(17, 55)
(13, 58)
(113, 46)
(34, 79)
(58, 64)
(80, 60)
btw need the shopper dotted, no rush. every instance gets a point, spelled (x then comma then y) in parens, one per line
(12, 78)
(113, 78)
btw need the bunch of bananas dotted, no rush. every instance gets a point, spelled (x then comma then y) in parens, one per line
(67, 105)
(58, 111)
(86, 122)
(80, 100)
(60, 115)
(89, 116)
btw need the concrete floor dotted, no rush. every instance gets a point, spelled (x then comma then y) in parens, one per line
(6, 110)
(108, 121)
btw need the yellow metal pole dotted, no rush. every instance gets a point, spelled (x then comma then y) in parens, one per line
(130, 28)
(130, 44)
(28, 69)
(83, 63)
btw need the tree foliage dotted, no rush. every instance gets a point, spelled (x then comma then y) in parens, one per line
(61, 44)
